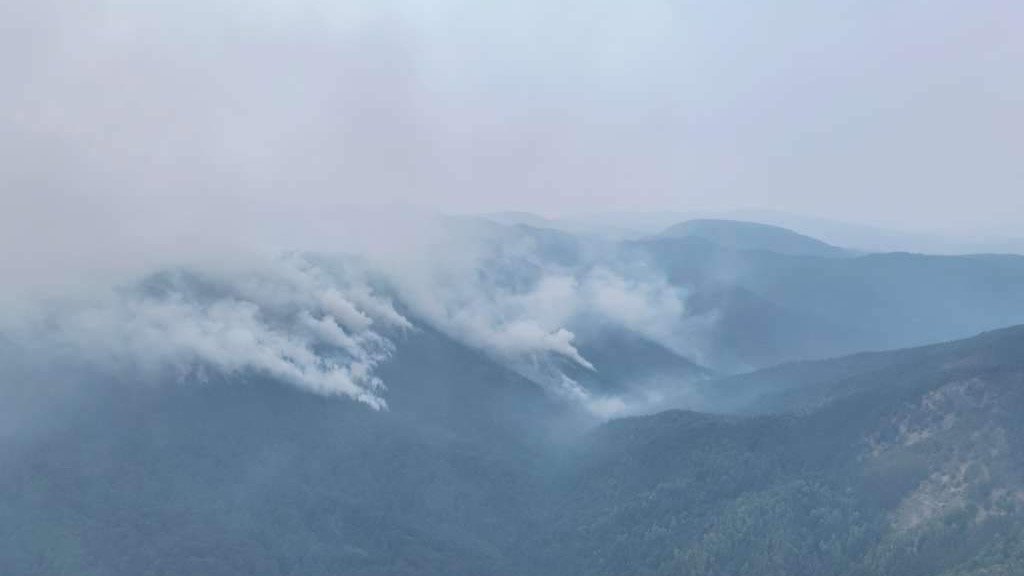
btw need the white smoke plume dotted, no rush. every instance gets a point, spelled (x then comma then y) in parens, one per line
(521, 296)
(321, 323)
(290, 320)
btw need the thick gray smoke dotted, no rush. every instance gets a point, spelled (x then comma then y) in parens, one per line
(325, 323)
(213, 137)
(522, 295)
(290, 320)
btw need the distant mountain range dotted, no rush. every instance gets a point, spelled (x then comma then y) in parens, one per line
(715, 398)
(806, 299)
(859, 237)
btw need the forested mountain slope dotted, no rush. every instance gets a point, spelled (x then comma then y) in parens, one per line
(904, 463)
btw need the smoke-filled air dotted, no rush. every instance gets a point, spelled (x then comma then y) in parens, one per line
(457, 288)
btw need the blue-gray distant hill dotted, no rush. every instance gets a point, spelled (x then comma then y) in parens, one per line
(764, 307)
(739, 235)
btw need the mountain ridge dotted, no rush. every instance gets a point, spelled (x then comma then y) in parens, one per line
(741, 235)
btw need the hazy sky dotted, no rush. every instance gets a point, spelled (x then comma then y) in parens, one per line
(127, 119)
(139, 135)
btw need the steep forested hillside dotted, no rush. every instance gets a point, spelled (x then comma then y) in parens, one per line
(246, 475)
(903, 463)
(907, 464)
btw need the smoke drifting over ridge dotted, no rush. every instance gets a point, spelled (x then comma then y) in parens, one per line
(522, 295)
(292, 321)
(325, 321)
(215, 136)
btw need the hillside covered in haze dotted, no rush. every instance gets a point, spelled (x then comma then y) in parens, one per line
(541, 403)
(531, 288)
